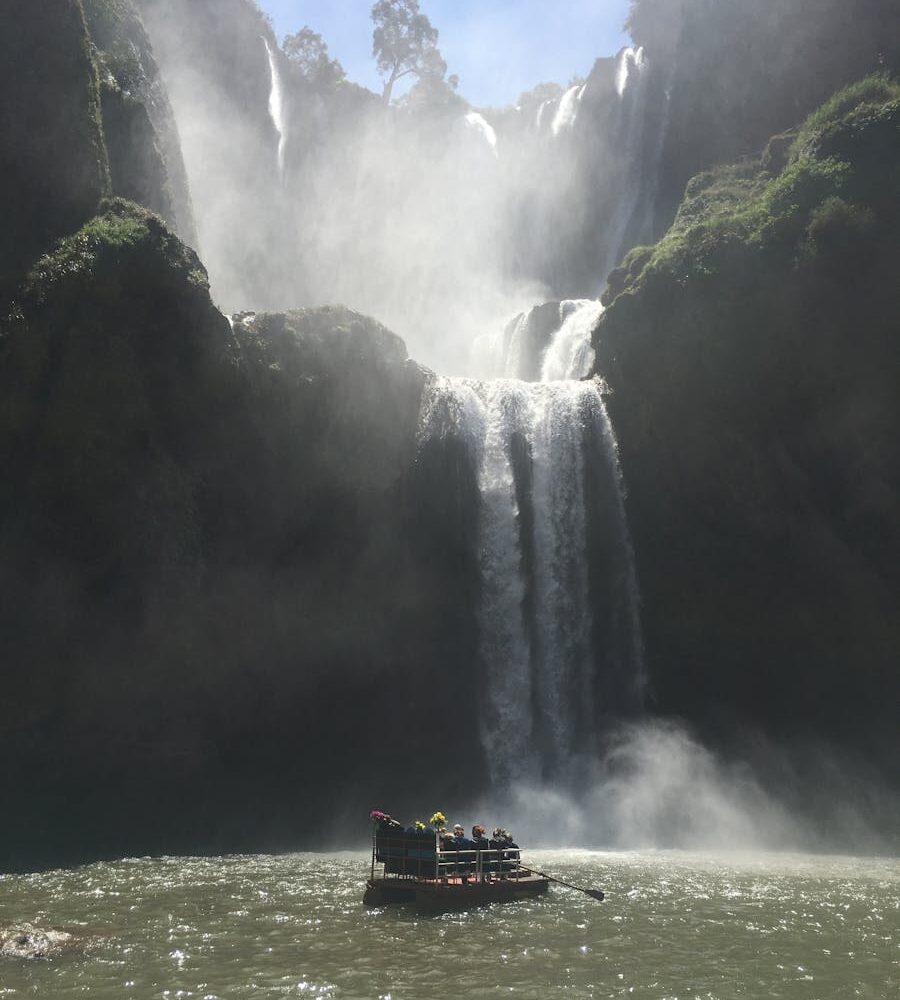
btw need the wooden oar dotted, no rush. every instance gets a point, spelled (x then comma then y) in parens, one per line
(593, 893)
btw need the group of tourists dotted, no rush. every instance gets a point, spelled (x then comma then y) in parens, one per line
(455, 838)
(501, 840)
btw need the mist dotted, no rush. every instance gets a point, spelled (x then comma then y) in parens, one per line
(436, 218)
(664, 482)
(658, 786)
(444, 222)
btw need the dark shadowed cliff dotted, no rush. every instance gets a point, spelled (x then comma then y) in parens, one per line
(219, 555)
(753, 356)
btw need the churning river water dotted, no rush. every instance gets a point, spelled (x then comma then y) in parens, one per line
(674, 925)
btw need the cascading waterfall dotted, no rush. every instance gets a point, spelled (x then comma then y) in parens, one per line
(629, 60)
(544, 453)
(510, 351)
(567, 111)
(482, 127)
(631, 86)
(570, 354)
(276, 104)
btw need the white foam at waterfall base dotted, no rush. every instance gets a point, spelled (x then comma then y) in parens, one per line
(570, 354)
(276, 104)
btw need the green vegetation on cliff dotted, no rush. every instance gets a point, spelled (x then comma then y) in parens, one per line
(753, 355)
(840, 177)
(739, 71)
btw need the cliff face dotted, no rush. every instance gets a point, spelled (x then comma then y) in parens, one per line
(53, 164)
(219, 555)
(229, 561)
(83, 114)
(218, 542)
(740, 71)
(752, 355)
(142, 141)
(214, 62)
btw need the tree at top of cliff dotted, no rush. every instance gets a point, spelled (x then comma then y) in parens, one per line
(404, 42)
(308, 51)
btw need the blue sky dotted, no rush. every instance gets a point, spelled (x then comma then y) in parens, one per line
(498, 48)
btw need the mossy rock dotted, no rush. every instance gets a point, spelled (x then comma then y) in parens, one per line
(849, 149)
(113, 350)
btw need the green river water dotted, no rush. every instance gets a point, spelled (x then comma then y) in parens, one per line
(674, 925)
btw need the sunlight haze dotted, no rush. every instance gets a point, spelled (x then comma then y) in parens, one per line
(498, 50)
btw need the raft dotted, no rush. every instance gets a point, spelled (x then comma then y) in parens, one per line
(411, 869)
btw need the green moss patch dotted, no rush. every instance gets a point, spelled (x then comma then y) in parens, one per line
(848, 151)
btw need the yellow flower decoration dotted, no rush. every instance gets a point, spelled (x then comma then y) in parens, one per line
(420, 825)
(438, 820)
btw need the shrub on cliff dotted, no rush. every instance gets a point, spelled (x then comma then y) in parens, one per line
(846, 150)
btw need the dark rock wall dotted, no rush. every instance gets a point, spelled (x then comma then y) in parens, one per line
(53, 165)
(740, 71)
(142, 141)
(229, 575)
(753, 356)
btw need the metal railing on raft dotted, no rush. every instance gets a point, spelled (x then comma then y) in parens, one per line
(424, 858)
(502, 862)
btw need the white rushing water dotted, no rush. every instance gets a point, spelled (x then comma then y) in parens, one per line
(534, 446)
(630, 60)
(510, 352)
(483, 128)
(567, 111)
(570, 354)
(276, 104)
(632, 87)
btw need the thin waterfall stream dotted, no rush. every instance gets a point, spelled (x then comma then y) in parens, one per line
(276, 105)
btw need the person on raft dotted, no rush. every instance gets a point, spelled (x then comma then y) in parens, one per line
(502, 841)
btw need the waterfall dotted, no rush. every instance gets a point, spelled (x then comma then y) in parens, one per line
(482, 127)
(501, 353)
(556, 647)
(567, 111)
(276, 104)
(527, 348)
(628, 59)
(570, 355)
(540, 114)
(631, 86)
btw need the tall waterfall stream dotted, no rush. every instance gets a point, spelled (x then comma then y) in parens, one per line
(545, 453)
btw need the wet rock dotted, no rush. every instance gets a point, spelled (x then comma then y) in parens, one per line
(30, 943)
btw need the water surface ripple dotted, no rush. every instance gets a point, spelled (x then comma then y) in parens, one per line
(674, 925)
